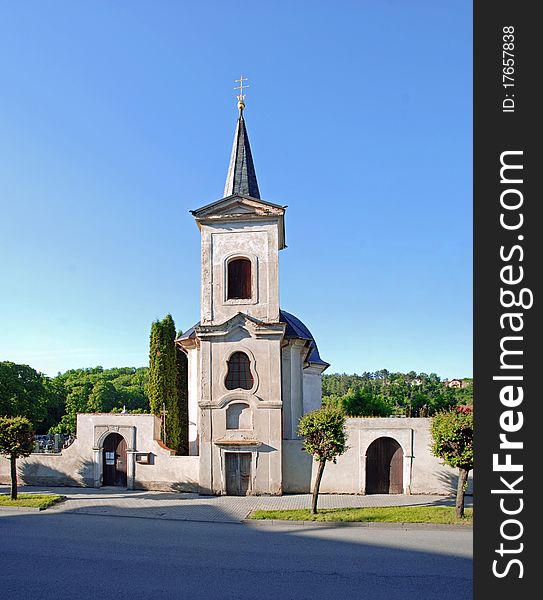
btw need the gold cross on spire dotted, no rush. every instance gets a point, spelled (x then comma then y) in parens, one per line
(241, 95)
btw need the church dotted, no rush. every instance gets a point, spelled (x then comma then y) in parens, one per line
(253, 371)
(253, 368)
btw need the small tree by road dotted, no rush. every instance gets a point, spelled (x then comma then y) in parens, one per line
(325, 439)
(16, 441)
(452, 434)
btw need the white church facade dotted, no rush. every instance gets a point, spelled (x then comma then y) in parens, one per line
(253, 371)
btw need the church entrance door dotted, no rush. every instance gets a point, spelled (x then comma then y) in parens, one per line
(238, 473)
(114, 460)
(384, 467)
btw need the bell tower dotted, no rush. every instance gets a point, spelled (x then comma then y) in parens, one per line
(235, 350)
(253, 368)
(241, 238)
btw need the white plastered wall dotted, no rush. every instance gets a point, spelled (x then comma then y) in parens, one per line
(257, 241)
(423, 473)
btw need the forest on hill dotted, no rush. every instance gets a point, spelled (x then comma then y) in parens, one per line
(52, 403)
(384, 394)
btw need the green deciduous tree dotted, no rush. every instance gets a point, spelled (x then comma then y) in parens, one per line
(16, 441)
(325, 439)
(56, 404)
(99, 390)
(362, 402)
(452, 434)
(23, 393)
(162, 387)
(103, 397)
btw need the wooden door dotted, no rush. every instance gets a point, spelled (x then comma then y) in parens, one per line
(384, 467)
(238, 473)
(114, 460)
(396, 470)
(244, 473)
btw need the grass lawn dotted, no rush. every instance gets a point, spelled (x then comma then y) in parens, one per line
(32, 500)
(388, 514)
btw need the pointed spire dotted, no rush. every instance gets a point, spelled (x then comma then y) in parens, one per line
(241, 178)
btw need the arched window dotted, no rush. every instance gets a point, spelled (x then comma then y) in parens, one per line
(239, 372)
(239, 279)
(238, 416)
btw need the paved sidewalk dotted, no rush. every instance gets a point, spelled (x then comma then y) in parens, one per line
(192, 507)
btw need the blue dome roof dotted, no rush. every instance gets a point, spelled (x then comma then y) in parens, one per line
(296, 329)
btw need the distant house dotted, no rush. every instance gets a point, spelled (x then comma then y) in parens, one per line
(456, 383)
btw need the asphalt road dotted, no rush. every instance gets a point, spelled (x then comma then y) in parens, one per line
(84, 557)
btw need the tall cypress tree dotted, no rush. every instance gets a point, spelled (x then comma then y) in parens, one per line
(163, 379)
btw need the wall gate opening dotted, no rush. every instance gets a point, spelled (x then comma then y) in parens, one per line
(384, 467)
(114, 460)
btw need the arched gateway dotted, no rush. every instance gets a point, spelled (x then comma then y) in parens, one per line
(114, 460)
(384, 467)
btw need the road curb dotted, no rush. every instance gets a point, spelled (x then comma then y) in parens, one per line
(262, 522)
(371, 525)
(21, 508)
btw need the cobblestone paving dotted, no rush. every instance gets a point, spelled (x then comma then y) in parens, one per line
(192, 507)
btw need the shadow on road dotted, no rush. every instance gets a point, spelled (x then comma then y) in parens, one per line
(114, 557)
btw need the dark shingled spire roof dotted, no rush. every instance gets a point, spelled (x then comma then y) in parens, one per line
(241, 177)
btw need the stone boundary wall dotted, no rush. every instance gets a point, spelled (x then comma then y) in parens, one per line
(423, 473)
(80, 464)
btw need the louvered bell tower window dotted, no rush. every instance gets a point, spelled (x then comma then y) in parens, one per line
(239, 372)
(239, 279)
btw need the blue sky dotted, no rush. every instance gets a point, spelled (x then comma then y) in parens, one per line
(117, 118)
